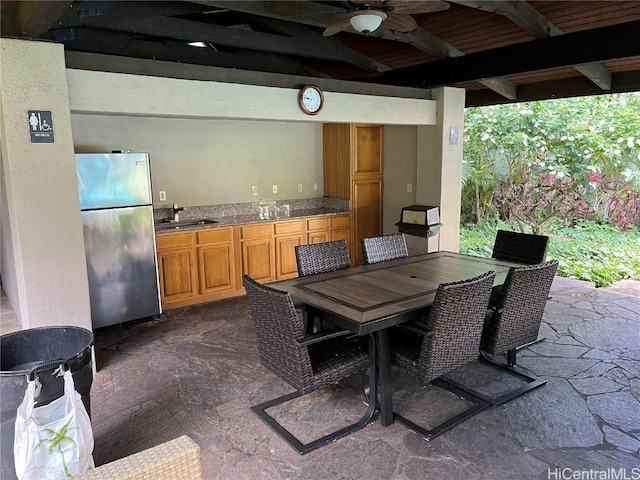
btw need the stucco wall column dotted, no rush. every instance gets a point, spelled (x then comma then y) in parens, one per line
(439, 165)
(43, 267)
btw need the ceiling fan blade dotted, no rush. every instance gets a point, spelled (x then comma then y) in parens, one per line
(339, 26)
(399, 22)
(417, 6)
(368, 3)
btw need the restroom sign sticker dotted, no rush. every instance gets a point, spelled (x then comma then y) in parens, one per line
(40, 126)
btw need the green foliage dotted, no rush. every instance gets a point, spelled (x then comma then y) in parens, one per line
(531, 163)
(599, 253)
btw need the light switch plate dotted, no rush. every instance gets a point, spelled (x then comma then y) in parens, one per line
(453, 136)
(163, 195)
(275, 189)
(254, 190)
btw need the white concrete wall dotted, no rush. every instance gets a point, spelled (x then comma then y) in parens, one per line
(45, 278)
(208, 162)
(439, 172)
(400, 148)
(123, 94)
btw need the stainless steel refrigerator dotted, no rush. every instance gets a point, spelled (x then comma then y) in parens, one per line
(119, 238)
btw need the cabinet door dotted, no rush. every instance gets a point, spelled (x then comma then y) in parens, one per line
(286, 265)
(258, 259)
(178, 274)
(367, 214)
(318, 237)
(216, 268)
(368, 150)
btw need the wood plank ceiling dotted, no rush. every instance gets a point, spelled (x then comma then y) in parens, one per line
(499, 51)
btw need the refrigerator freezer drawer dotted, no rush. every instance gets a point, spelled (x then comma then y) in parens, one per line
(121, 264)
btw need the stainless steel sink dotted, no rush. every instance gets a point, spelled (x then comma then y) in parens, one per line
(171, 225)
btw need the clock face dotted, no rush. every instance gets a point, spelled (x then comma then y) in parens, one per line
(311, 99)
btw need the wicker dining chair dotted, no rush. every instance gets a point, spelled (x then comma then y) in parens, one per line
(515, 321)
(386, 247)
(451, 339)
(322, 257)
(518, 247)
(307, 363)
(319, 258)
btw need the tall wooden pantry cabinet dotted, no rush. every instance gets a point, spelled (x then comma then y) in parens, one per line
(353, 170)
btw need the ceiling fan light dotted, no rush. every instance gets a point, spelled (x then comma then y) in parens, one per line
(368, 21)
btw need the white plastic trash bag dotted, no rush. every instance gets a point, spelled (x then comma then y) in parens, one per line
(52, 441)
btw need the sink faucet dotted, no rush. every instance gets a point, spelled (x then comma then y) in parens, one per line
(174, 211)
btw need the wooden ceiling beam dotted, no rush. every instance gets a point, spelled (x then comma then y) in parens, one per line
(569, 87)
(321, 15)
(191, 31)
(574, 49)
(119, 43)
(537, 25)
(36, 18)
(90, 13)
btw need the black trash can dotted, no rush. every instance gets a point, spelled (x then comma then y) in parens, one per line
(39, 351)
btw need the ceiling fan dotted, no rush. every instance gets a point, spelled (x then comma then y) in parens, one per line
(366, 16)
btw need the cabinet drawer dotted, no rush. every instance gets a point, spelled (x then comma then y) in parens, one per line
(215, 235)
(255, 231)
(318, 224)
(338, 222)
(183, 239)
(289, 227)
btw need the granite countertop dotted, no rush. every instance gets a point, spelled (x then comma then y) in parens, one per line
(231, 220)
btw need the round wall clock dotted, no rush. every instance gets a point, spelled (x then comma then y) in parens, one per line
(311, 99)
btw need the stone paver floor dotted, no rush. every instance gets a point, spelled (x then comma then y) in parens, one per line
(196, 371)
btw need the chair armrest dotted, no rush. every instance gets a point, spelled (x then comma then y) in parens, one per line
(322, 336)
(417, 328)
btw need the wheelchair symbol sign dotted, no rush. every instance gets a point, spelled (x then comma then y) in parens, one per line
(40, 126)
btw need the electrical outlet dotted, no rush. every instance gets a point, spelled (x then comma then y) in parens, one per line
(299, 188)
(275, 189)
(315, 187)
(254, 190)
(409, 188)
(163, 195)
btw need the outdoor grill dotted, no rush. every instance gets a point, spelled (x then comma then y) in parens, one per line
(419, 220)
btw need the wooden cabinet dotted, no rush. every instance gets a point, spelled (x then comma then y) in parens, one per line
(288, 235)
(207, 264)
(177, 267)
(216, 256)
(196, 266)
(318, 230)
(258, 255)
(353, 170)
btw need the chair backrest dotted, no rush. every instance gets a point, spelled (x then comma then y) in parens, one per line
(523, 298)
(322, 257)
(456, 320)
(278, 330)
(520, 247)
(386, 247)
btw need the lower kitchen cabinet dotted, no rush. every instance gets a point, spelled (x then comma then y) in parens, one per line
(216, 260)
(177, 267)
(207, 264)
(258, 259)
(197, 266)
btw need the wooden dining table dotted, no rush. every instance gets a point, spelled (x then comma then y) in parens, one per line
(369, 299)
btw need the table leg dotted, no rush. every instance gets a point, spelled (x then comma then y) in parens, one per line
(385, 386)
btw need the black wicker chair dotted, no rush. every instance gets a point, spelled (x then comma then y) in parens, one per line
(515, 321)
(451, 340)
(307, 363)
(520, 247)
(386, 247)
(318, 258)
(322, 257)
